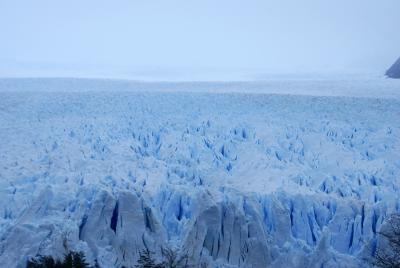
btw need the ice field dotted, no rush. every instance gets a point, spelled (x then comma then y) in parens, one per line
(279, 173)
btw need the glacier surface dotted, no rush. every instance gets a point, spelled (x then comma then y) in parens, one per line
(278, 174)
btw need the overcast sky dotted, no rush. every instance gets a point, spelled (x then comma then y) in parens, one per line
(144, 38)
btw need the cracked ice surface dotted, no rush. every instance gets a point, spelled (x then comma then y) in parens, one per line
(232, 179)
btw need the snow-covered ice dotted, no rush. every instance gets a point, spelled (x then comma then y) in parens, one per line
(282, 173)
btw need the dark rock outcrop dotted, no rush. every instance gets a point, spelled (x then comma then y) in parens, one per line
(394, 71)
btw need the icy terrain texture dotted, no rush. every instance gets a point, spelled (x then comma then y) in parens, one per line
(231, 179)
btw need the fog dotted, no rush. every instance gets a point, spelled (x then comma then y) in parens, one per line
(183, 39)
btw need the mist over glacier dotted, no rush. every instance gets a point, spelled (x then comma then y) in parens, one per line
(232, 179)
(191, 40)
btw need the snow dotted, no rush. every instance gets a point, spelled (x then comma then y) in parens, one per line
(297, 173)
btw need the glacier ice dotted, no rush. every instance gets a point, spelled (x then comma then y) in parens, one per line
(230, 179)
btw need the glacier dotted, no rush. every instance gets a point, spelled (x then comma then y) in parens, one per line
(250, 174)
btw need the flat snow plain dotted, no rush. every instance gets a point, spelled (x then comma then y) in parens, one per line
(279, 173)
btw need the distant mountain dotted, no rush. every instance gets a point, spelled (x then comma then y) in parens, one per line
(394, 71)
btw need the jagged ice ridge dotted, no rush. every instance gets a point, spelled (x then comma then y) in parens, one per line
(231, 179)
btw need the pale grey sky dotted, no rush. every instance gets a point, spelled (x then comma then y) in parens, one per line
(144, 38)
